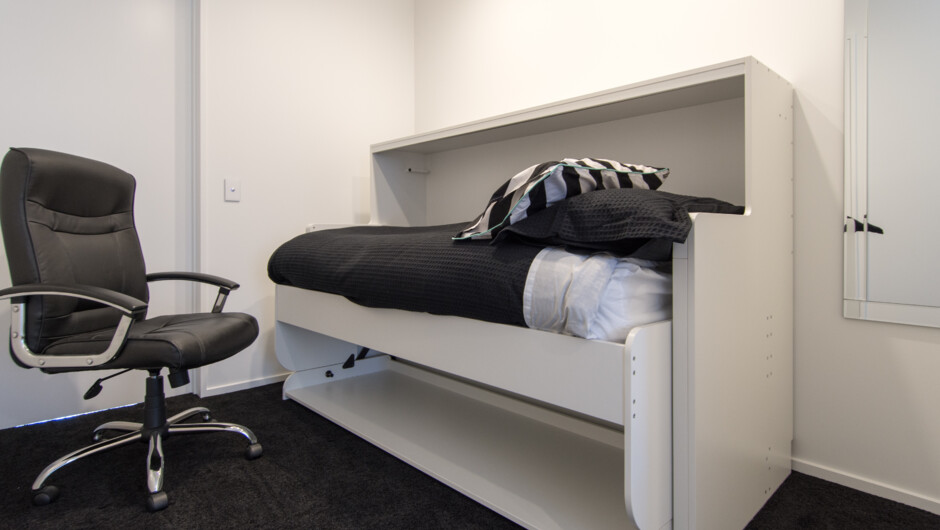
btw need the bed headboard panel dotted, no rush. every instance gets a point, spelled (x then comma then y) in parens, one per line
(692, 123)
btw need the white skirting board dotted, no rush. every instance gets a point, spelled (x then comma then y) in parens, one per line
(867, 485)
(209, 391)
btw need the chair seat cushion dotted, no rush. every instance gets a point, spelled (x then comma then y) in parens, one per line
(169, 341)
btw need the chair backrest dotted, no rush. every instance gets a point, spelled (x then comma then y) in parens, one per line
(69, 220)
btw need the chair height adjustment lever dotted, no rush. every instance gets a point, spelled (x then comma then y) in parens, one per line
(96, 388)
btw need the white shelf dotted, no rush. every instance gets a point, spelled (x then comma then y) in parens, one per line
(701, 113)
(534, 473)
(695, 87)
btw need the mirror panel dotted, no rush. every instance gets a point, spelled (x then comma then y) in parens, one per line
(892, 179)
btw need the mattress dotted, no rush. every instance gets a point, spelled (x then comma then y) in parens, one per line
(594, 295)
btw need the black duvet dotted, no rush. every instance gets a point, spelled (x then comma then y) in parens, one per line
(412, 268)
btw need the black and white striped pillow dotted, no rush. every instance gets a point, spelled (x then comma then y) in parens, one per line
(542, 185)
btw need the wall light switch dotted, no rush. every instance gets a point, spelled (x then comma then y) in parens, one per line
(233, 190)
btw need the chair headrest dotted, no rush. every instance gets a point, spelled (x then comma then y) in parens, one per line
(69, 184)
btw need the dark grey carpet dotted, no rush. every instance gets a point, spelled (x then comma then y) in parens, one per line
(313, 475)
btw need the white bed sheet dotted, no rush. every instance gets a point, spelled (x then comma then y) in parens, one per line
(595, 296)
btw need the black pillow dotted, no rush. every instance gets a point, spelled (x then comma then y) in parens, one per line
(632, 222)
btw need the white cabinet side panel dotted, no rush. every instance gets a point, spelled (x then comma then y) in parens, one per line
(741, 338)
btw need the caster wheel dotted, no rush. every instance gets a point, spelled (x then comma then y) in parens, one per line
(157, 501)
(206, 417)
(253, 451)
(45, 495)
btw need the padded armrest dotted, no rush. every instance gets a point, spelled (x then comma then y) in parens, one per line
(225, 286)
(194, 277)
(120, 301)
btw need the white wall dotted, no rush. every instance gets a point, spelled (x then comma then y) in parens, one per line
(866, 395)
(109, 80)
(292, 94)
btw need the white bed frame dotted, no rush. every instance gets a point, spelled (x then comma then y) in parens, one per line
(688, 424)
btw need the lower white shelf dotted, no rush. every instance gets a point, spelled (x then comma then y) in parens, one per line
(539, 468)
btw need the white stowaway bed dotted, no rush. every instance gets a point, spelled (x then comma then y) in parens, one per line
(686, 425)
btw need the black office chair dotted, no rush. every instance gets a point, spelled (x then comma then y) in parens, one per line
(80, 298)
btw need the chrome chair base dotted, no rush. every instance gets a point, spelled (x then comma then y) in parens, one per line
(152, 434)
